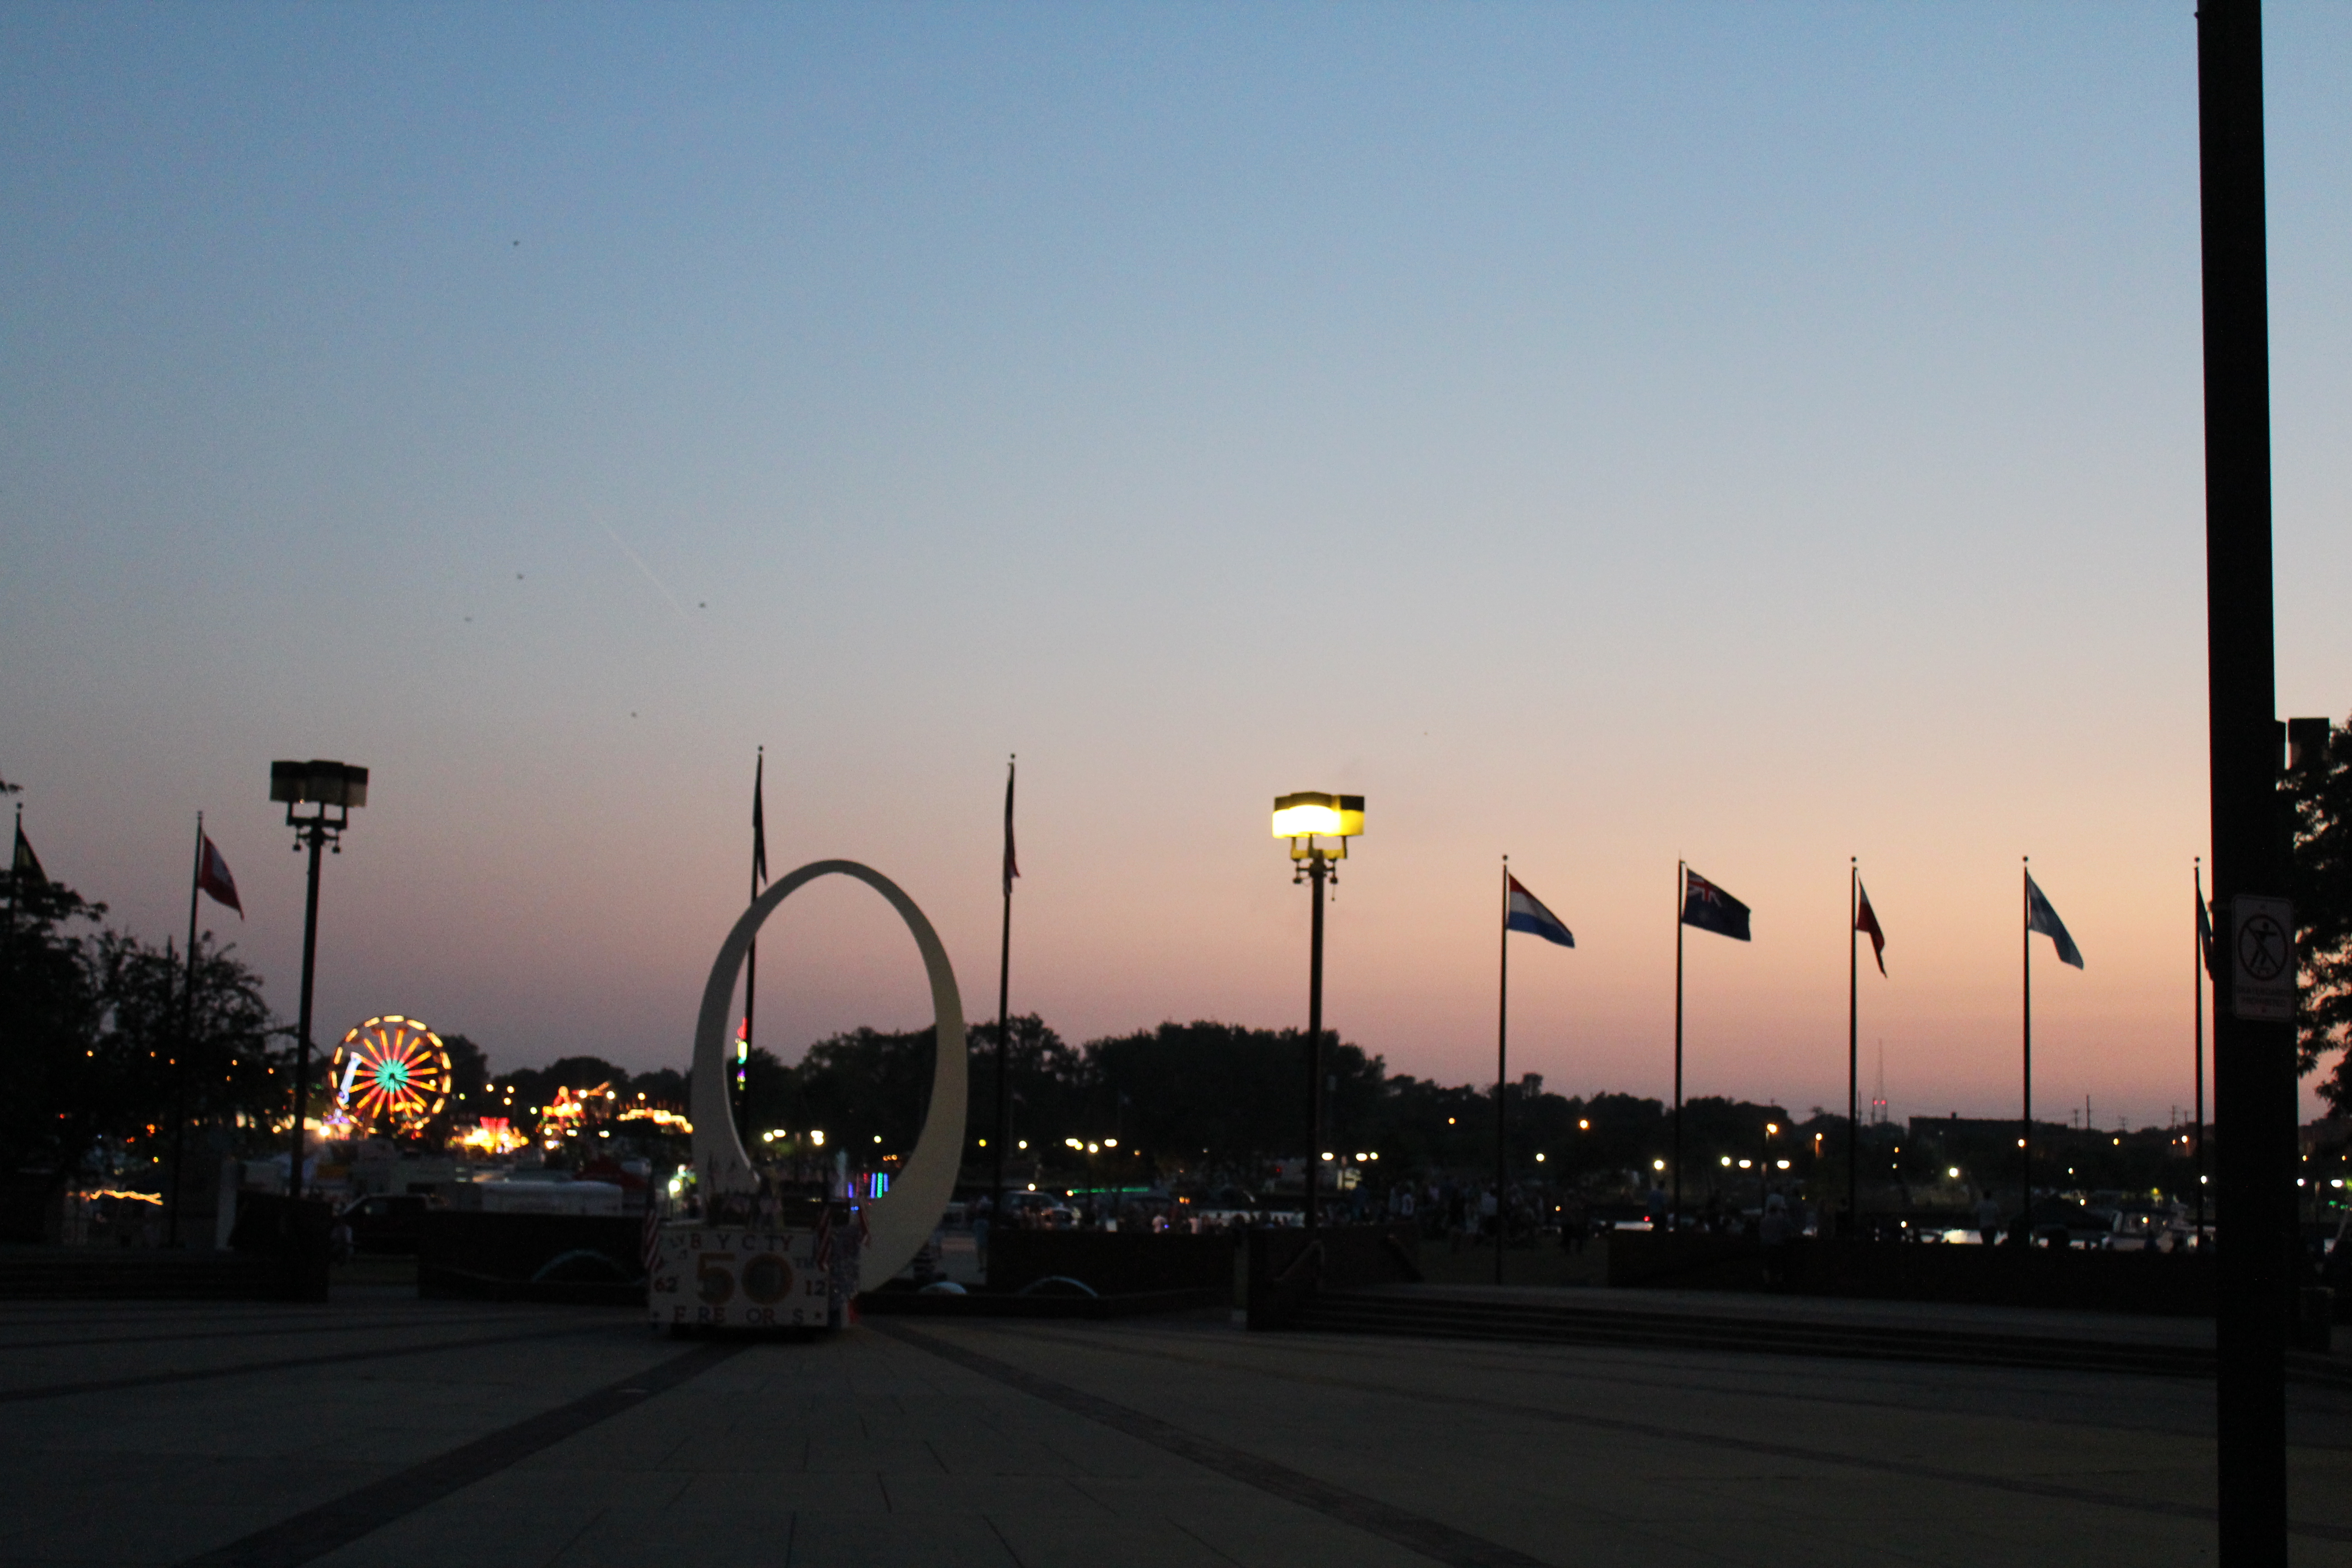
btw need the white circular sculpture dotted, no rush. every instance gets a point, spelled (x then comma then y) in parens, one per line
(899, 1221)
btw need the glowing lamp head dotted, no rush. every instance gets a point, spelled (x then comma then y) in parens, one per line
(1312, 813)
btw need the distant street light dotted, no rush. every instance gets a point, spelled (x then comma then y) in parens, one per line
(327, 787)
(1303, 817)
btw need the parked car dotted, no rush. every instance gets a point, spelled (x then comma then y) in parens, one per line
(2139, 1230)
(1041, 1211)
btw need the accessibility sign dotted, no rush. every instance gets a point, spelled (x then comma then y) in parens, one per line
(2262, 952)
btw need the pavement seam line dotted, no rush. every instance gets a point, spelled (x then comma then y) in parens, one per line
(315, 1531)
(1415, 1532)
(285, 1364)
(2055, 1491)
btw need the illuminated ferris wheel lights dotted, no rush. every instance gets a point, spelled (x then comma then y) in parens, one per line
(391, 1071)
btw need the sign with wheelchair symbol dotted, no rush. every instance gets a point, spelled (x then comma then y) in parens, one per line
(2262, 944)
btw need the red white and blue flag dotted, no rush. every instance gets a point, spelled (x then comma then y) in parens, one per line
(1524, 912)
(1710, 908)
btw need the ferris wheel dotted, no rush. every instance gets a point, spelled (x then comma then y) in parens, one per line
(390, 1074)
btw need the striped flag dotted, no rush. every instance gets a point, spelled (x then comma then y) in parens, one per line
(1524, 912)
(213, 878)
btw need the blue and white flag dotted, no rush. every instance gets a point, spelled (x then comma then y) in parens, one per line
(2040, 917)
(1526, 912)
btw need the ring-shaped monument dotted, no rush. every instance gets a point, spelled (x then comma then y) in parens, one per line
(899, 1221)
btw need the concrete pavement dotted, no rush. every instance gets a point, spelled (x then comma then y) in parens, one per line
(381, 1430)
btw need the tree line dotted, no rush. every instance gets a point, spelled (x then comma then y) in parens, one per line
(113, 1044)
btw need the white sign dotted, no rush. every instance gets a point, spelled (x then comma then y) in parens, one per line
(751, 1279)
(2261, 959)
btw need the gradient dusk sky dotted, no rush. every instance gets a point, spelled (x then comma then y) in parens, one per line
(1606, 434)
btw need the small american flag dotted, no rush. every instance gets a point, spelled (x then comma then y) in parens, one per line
(651, 1240)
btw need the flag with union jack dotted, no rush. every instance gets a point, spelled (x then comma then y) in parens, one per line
(1710, 908)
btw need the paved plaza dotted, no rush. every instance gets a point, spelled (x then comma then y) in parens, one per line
(385, 1431)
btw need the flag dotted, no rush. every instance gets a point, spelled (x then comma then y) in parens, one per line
(649, 1238)
(2040, 917)
(1012, 866)
(759, 823)
(1866, 919)
(2205, 933)
(213, 877)
(26, 863)
(1525, 911)
(1710, 908)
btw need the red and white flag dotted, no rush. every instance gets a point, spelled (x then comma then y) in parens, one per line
(213, 877)
(1865, 918)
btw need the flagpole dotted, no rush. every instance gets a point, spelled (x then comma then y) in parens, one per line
(1852, 1049)
(1675, 1212)
(2025, 1138)
(16, 887)
(187, 1032)
(1004, 1007)
(752, 954)
(2197, 985)
(1502, 1075)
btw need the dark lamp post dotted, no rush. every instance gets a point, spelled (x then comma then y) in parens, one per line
(331, 790)
(1302, 818)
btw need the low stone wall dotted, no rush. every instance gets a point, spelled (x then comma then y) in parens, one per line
(2160, 1283)
(1114, 1263)
(293, 1233)
(1287, 1266)
(138, 1274)
(577, 1260)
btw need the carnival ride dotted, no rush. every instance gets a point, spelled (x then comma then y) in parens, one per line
(391, 1074)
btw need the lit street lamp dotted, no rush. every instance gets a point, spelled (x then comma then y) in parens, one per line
(1302, 818)
(325, 786)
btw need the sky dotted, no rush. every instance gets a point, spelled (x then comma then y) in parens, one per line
(1605, 434)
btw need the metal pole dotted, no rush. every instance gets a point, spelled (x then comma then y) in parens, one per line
(187, 1032)
(1676, 1211)
(740, 1091)
(2253, 1062)
(1502, 1073)
(1004, 1016)
(1317, 869)
(315, 831)
(2025, 1129)
(1853, 1051)
(2197, 984)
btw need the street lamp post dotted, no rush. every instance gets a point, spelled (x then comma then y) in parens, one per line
(1302, 818)
(327, 787)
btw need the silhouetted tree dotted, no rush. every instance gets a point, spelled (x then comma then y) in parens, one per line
(2320, 795)
(1049, 1084)
(1222, 1091)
